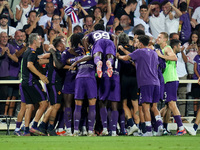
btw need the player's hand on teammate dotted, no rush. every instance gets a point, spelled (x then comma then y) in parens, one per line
(44, 79)
(117, 55)
(52, 49)
(158, 52)
(120, 47)
(73, 66)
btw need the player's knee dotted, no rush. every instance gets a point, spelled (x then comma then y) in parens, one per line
(57, 106)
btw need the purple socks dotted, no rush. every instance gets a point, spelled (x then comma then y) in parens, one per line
(77, 116)
(91, 117)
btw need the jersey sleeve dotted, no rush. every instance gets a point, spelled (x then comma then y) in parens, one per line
(134, 55)
(32, 57)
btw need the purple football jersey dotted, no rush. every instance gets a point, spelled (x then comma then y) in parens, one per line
(69, 82)
(146, 62)
(97, 35)
(85, 69)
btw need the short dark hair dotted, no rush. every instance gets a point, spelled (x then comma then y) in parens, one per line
(88, 16)
(99, 26)
(119, 28)
(174, 42)
(156, 3)
(172, 34)
(164, 2)
(75, 40)
(57, 40)
(144, 39)
(139, 32)
(50, 31)
(143, 6)
(131, 2)
(32, 11)
(183, 6)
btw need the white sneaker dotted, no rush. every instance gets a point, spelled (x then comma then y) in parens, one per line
(68, 132)
(114, 133)
(76, 133)
(84, 131)
(104, 132)
(160, 131)
(91, 133)
(148, 134)
(132, 129)
(190, 130)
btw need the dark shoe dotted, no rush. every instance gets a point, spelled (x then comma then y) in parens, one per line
(51, 132)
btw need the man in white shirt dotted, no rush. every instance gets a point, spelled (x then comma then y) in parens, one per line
(172, 15)
(44, 19)
(157, 20)
(139, 20)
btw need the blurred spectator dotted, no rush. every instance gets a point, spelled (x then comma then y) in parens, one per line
(58, 7)
(77, 29)
(44, 19)
(192, 6)
(36, 4)
(139, 20)
(7, 52)
(195, 21)
(125, 23)
(5, 10)
(88, 20)
(191, 52)
(50, 37)
(157, 20)
(14, 69)
(4, 27)
(22, 11)
(128, 10)
(172, 15)
(184, 23)
(137, 10)
(88, 4)
(32, 26)
(98, 12)
(196, 87)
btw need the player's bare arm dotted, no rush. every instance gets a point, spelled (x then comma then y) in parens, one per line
(169, 54)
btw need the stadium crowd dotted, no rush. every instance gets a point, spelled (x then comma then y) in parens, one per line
(88, 65)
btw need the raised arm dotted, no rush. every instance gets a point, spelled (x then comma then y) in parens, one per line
(19, 12)
(85, 43)
(11, 56)
(58, 64)
(30, 29)
(108, 10)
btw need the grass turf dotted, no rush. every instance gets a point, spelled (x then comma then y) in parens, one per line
(185, 142)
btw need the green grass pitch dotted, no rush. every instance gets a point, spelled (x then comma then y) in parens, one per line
(185, 142)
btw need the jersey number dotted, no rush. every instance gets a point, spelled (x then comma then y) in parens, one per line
(103, 35)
